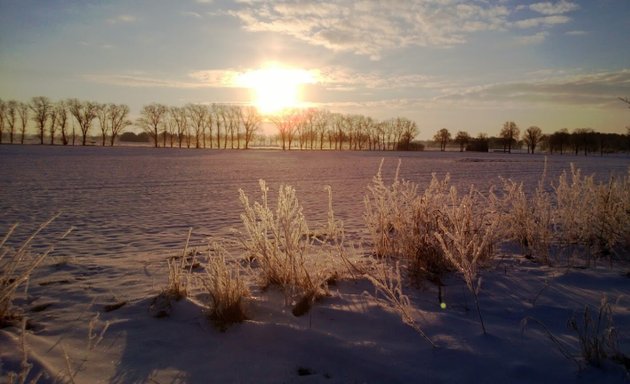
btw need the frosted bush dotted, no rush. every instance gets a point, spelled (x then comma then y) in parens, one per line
(467, 233)
(593, 215)
(529, 221)
(578, 214)
(401, 222)
(280, 243)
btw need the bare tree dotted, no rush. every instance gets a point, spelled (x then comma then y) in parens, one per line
(286, 121)
(321, 122)
(179, 117)
(61, 112)
(219, 118)
(510, 134)
(625, 100)
(3, 112)
(583, 138)
(197, 115)
(84, 112)
(207, 125)
(233, 125)
(462, 138)
(151, 120)
(40, 105)
(23, 109)
(52, 126)
(442, 137)
(102, 116)
(532, 137)
(11, 118)
(251, 121)
(559, 140)
(409, 131)
(118, 120)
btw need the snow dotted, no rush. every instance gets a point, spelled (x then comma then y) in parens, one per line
(131, 208)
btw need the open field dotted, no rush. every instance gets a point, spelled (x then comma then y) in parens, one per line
(131, 209)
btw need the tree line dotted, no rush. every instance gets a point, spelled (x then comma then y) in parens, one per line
(580, 140)
(201, 125)
(236, 126)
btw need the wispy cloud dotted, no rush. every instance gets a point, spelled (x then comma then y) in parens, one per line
(372, 27)
(536, 38)
(134, 80)
(557, 8)
(598, 89)
(369, 27)
(545, 21)
(576, 33)
(124, 18)
(192, 14)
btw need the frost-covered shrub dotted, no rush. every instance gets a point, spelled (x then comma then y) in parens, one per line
(593, 215)
(529, 220)
(467, 234)
(576, 214)
(281, 245)
(226, 288)
(401, 222)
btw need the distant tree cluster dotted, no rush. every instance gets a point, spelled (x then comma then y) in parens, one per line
(580, 140)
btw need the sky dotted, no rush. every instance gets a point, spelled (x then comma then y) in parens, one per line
(460, 65)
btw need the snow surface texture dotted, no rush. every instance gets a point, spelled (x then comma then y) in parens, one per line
(131, 209)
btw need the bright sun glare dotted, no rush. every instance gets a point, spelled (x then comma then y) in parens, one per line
(276, 87)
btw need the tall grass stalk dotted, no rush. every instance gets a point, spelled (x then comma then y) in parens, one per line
(16, 268)
(388, 284)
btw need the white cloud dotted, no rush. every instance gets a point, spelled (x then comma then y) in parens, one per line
(558, 8)
(192, 14)
(536, 38)
(371, 27)
(576, 33)
(125, 18)
(597, 89)
(545, 21)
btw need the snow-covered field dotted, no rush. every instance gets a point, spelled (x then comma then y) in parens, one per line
(131, 209)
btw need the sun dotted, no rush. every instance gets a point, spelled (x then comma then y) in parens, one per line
(275, 87)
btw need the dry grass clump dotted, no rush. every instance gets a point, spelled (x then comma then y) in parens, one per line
(598, 336)
(279, 242)
(179, 283)
(16, 267)
(226, 287)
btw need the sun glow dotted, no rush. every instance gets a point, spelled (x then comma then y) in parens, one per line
(275, 87)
